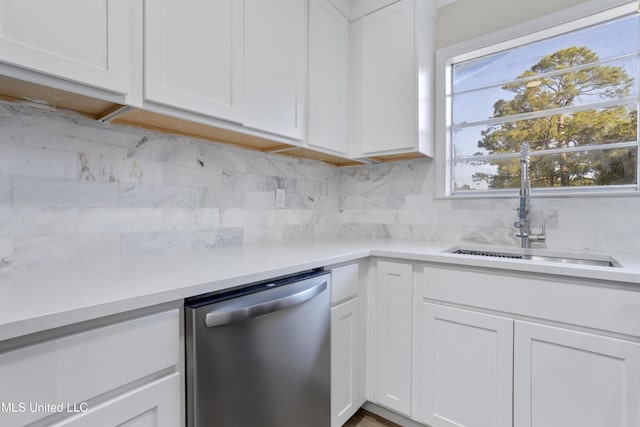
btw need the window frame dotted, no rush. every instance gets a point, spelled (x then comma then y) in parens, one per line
(564, 21)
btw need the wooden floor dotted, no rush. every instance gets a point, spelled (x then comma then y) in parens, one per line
(364, 418)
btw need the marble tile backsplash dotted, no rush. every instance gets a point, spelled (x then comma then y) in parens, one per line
(396, 200)
(73, 189)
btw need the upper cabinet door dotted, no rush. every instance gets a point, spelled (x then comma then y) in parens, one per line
(194, 56)
(91, 42)
(274, 66)
(328, 75)
(388, 80)
(391, 87)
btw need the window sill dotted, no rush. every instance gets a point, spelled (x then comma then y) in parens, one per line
(546, 194)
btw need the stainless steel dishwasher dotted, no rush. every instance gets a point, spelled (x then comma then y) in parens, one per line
(259, 355)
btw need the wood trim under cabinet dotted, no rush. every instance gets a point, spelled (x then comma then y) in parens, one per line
(51, 99)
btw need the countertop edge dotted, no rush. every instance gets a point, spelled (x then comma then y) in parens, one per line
(46, 321)
(292, 258)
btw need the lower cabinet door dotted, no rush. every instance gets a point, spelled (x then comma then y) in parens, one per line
(156, 404)
(467, 368)
(392, 336)
(344, 361)
(566, 378)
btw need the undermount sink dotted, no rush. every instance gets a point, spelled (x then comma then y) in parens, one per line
(594, 260)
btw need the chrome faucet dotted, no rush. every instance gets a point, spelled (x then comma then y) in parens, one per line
(524, 210)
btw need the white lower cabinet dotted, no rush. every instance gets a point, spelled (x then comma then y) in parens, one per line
(469, 360)
(344, 361)
(126, 373)
(392, 336)
(347, 343)
(154, 405)
(567, 378)
(539, 361)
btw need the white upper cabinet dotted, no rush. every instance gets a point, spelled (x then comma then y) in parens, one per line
(90, 42)
(193, 56)
(387, 79)
(355, 9)
(294, 72)
(275, 66)
(328, 73)
(239, 61)
(394, 70)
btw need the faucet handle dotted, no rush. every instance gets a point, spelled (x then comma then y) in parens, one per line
(540, 238)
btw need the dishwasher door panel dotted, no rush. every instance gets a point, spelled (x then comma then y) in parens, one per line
(272, 370)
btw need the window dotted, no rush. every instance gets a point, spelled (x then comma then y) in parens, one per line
(570, 92)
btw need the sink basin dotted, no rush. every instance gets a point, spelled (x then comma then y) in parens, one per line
(595, 260)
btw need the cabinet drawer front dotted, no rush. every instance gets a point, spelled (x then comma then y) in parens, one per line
(544, 297)
(78, 367)
(344, 282)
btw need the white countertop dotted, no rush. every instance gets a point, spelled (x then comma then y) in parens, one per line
(33, 300)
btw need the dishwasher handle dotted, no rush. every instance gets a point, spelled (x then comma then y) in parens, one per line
(217, 318)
